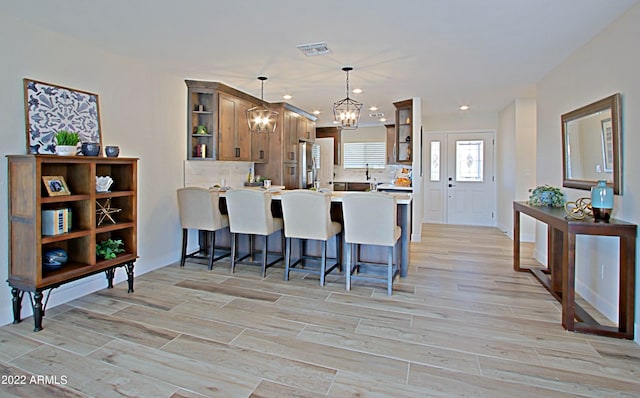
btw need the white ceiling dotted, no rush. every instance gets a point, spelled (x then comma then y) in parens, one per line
(448, 52)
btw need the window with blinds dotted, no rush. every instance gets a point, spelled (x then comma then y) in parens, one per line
(357, 155)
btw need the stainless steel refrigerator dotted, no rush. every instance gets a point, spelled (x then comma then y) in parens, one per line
(309, 164)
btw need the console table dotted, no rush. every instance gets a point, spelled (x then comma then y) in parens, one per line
(559, 276)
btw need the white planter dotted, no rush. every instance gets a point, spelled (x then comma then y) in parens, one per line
(66, 150)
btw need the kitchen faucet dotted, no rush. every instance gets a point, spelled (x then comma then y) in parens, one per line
(366, 173)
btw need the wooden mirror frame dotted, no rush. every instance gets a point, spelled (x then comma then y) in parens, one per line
(612, 103)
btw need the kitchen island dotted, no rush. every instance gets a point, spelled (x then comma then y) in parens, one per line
(367, 253)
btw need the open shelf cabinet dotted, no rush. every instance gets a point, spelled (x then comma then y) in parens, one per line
(28, 198)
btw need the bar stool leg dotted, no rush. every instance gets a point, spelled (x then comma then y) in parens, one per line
(287, 258)
(348, 268)
(234, 238)
(184, 246)
(390, 271)
(264, 257)
(323, 265)
(213, 248)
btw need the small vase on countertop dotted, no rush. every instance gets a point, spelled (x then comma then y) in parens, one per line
(602, 201)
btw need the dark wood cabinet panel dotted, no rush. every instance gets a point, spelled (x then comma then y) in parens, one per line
(332, 132)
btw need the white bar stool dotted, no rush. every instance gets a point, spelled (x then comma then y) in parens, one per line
(307, 215)
(250, 213)
(199, 209)
(370, 218)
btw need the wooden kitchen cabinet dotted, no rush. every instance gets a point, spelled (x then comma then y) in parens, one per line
(234, 139)
(260, 147)
(306, 129)
(391, 143)
(28, 199)
(201, 111)
(404, 131)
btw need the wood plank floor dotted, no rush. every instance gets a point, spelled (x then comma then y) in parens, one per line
(462, 324)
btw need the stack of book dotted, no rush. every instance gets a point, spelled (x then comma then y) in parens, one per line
(56, 221)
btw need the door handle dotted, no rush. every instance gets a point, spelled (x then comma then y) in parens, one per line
(451, 185)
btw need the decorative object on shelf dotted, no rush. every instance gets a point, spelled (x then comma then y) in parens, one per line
(260, 118)
(103, 183)
(346, 112)
(104, 211)
(546, 195)
(66, 143)
(202, 130)
(112, 151)
(602, 201)
(50, 108)
(90, 148)
(56, 185)
(108, 249)
(54, 258)
(580, 209)
(56, 221)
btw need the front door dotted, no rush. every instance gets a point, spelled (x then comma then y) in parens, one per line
(469, 179)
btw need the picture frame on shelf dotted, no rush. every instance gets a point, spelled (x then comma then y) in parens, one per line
(56, 185)
(50, 108)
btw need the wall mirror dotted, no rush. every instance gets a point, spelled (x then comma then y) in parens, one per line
(591, 146)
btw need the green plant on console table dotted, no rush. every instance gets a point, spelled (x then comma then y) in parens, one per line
(546, 195)
(68, 138)
(108, 249)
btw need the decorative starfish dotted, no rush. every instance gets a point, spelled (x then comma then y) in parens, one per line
(105, 211)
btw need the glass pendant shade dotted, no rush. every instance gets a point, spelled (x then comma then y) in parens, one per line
(261, 119)
(346, 112)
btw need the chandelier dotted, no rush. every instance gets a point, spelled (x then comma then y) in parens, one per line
(346, 112)
(260, 118)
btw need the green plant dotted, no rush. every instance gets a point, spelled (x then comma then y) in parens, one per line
(68, 138)
(546, 195)
(109, 248)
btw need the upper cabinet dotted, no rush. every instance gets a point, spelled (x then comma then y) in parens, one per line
(201, 122)
(234, 137)
(217, 127)
(332, 132)
(404, 129)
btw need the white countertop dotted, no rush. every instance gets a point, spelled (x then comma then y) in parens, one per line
(336, 196)
(395, 187)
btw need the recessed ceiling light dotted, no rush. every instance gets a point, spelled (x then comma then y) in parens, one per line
(357, 90)
(313, 49)
(373, 108)
(287, 96)
(316, 112)
(464, 107)
(383, 119)
(336, 122)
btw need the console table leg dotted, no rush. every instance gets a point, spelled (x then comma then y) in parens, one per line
(110, 273)
(130, 276)
(17, 304)
(37, 311)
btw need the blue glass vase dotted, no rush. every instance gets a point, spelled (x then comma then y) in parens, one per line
(602, 201)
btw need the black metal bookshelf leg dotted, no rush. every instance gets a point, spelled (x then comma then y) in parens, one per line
(130, 276)
(110, 274)
(37, 311)
(17, 304)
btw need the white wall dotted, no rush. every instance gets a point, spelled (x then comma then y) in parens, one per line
(606, 65)
(516, 162)
(142, 110)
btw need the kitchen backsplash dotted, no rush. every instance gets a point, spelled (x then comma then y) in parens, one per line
(206, 174)
(386, 175)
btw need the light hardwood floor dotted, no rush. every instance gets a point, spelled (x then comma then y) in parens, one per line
(463, 323)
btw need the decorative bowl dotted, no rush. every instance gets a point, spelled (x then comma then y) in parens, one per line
(90, 148)
(112, 151)
(103, 183)
(66, 150)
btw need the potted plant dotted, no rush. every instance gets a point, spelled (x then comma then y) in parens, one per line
(108, 249)
(66, 143)
(546, 195)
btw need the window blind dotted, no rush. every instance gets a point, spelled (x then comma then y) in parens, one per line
(357, 155)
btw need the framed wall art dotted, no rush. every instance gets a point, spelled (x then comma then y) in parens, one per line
(56, 185)
(50, 108)
(607, 145)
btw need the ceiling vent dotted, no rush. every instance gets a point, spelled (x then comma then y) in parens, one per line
(377, 115)
(314, 49)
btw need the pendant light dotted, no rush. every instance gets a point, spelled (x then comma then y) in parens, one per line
(346, 112)
(260, 118)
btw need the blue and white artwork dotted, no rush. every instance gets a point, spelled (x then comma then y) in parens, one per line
(53, 108)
